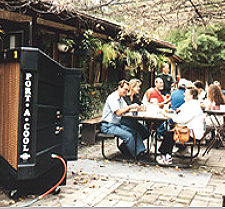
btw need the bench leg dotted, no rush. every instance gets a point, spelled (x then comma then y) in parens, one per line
(117, 142)
(103, 148)
(192, 149)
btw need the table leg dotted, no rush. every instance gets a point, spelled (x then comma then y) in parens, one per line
(217, 136)
(135, 148)
(156, 143)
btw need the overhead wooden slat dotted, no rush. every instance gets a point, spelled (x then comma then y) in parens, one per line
(12, 16)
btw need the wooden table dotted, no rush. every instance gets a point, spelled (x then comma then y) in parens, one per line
(150, 117)
(218, 127)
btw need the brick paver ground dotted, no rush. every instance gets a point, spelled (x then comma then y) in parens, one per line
(94, 190)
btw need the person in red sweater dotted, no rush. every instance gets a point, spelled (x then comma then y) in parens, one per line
(155, 93)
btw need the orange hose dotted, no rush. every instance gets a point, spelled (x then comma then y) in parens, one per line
(50, 190)
(64, 175)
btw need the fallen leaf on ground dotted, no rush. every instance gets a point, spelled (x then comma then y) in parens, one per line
(92, 186)
(83, 173)
(181, 175)
(76, 178)
(84, 181)
(194, 173)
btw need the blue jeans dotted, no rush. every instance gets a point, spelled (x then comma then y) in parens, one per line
(163, 129)
(126, 134)
(134, 125)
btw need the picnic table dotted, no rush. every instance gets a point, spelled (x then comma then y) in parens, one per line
(147, 117)
(218, 127)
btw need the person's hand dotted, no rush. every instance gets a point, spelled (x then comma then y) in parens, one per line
(178, 110)
(161, 105)
(162, 111)
(142, 107)
(134, 106)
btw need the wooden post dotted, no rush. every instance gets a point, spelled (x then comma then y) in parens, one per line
(104, 75)
(91, 70)
(173, 70)
(34, 33)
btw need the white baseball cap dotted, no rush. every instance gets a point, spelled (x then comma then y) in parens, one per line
(182, 83)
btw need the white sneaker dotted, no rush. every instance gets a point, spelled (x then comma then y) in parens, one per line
(169, 158)
(164, 159)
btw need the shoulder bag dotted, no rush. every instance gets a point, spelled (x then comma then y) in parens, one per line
(181, 134)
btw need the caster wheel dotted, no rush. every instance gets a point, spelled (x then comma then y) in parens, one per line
(56, 191)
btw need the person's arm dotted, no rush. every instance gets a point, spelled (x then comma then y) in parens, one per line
(185, 115)
(167, 100)
(148, 93)
(120, 112)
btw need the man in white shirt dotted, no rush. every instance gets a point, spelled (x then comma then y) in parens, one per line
(114, 108)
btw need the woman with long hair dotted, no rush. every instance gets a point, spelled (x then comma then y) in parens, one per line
(215, 97)
(134, 90)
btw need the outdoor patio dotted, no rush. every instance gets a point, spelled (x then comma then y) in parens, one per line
(93, 181)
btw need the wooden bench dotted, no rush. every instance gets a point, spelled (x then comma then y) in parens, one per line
(89, 130)
(191, 144)
(102, 137)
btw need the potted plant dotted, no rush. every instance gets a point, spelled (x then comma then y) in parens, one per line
(65, 45)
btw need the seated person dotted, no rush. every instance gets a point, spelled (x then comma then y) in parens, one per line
(177, 99)
(214, 99)
(218, 83)
(114, 108)
(155, 93)
(177, 96)
(201, 90)
(190, 115)
(131, 98)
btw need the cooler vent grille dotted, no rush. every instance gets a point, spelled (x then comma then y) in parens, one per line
(9, 106)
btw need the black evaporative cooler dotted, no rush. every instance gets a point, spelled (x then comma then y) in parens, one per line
(39, 107)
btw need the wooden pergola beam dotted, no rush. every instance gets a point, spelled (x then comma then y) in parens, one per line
(64, 27)
(56, 25)
(16, 17)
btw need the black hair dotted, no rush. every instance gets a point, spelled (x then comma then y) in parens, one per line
(121, 83)
(194, 92)
(199, 84)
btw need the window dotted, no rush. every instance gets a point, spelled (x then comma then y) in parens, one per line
(13, 39)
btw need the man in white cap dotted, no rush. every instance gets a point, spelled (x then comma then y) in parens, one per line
(177, 96)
